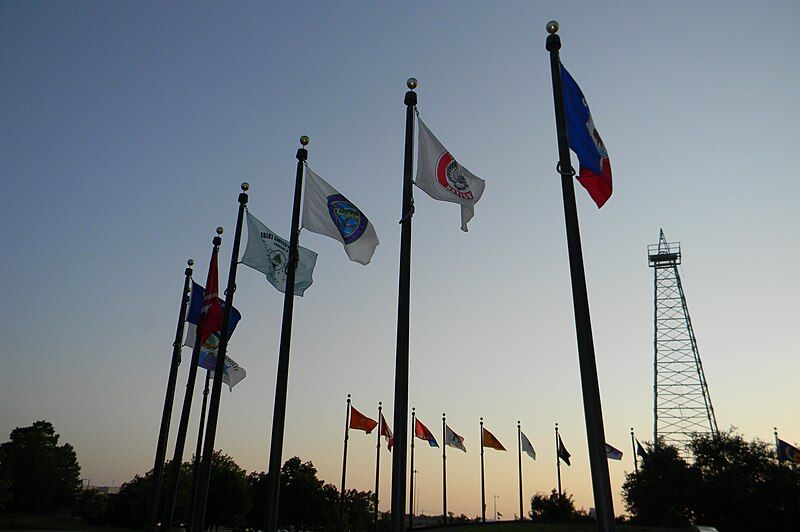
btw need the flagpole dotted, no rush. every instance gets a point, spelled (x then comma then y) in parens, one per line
(400, 422)
(378, 462)
(777, 452)
(199, 448)
(344, 460)
(282, 382)
(219, 370)
(411, 489)
(183, 424)
(593, 412)
(444, 469)
(558, 460)
(166, 414)
(483, 485)
(633, 446)
(519, 459)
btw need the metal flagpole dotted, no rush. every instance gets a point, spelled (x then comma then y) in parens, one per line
(411, 488)
(519, 459)
(444, 469)
(777, 452)
(633, 446)
(344, 461)
(592, 408)
(400, 422)
(183, 424)
(199, 448)
(483, 485)
(282, 382)
(219, 369)
(166, 414)
(378, 463)
(558, 460)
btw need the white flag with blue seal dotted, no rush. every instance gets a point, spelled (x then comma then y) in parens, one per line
(269, 254)
(329, 213)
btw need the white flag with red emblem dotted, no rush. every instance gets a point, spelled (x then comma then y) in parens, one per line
(442, 178)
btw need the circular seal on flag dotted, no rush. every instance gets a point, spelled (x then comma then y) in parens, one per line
(350, 221)
(450, 176)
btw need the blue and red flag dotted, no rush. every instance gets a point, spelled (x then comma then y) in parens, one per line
(422, 432)
(195, 312)
(585, 141)
(211, 313)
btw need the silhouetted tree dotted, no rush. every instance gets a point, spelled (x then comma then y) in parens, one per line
(553, 507)
(91, 505)
(42, 476)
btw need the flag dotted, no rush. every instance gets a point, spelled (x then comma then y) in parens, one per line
(441, 177)
(269, 254)
(562, 451)
(490, 441)
(233, 373)
(585, 141)
(211, 311)
(613, 453)
(453, 440)
(386, 432)
(329, 213)
(526, 446)
(360, 421)
(787, 452)
(194, 312)
(422, 432)
(641, 450)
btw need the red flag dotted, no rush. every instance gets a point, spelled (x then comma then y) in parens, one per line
(360, 421)
(386, 432)
(422, 432)
(211, 314)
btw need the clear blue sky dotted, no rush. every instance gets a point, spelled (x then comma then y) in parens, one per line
(126, 128)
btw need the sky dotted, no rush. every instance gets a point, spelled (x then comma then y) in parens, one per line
(126, 129)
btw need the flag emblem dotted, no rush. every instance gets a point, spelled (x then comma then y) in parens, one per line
(450, 175)
(350, 221)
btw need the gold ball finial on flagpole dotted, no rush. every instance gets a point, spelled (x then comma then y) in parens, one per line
(219, 230)
(245, 186)
(304, 140)
(552, 27)
(412, 83)
(190, 262)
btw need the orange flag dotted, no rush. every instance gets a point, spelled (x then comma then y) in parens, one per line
(360, 421)
(490, 441)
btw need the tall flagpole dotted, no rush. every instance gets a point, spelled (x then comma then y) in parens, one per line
(633, 446)
(344, 462)
(777, 452)
(219, 369)
(558, 460)
(378, 462)
(519, 459)
(282, 382)
(592, 409)
(483, 484)
(444, 469)
(411, 488)
(199, 447)
(183, 424)
(166, 414)
(400, 423)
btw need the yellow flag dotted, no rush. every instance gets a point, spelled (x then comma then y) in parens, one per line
(490, 441)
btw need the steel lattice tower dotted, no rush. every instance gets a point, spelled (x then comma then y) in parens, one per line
(681, 402)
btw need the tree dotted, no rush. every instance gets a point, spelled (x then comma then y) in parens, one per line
(553, 507)
(731, 485)
(91, 505)
(661, 492)
(42, 476)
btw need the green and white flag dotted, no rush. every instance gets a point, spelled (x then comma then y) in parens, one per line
(269, 254)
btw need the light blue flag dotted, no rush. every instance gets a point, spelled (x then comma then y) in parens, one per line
(269, 254)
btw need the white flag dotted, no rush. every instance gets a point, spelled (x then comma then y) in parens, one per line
(329, 213)
(526, 446)
(613, 453)
(442, 178)
(269, 254)
(453, 440)
(233, 373)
